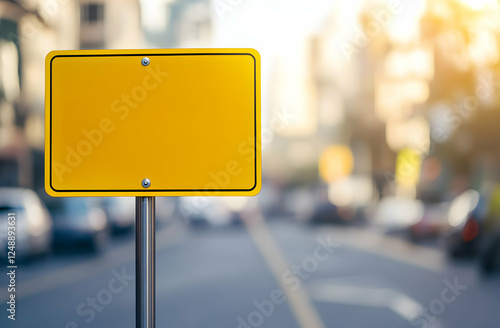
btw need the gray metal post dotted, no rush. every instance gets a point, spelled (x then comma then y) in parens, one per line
(145, 262)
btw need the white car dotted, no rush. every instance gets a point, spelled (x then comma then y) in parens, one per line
(120, 212)
(212, 211)
(33, 224)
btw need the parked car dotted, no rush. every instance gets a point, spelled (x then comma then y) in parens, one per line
(476, 229)
(77, 222)
(489, 260)
(33, 224)
(315, 205)
(432, 223)
(398, 214)
(211, 211)
(165, 210)
(466, 217)
(120, 212)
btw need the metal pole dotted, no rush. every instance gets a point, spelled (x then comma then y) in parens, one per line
(145, 262)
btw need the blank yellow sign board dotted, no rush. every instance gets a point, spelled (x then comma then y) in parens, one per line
(186, 119)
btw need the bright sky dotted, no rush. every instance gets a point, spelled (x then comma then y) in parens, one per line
(279, 29)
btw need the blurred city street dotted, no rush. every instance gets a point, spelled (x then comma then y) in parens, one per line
(210, 277)
(371, 127)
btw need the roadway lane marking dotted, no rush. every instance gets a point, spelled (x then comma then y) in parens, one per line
(390, 247)
(300, 304)
(80, 271)
(401, 304)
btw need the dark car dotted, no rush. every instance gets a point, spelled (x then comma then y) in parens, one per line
(476, 231)
(78, 223)
(466, 216)
(490, 256)
(120, 212)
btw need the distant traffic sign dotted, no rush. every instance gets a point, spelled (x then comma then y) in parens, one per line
(153, 122)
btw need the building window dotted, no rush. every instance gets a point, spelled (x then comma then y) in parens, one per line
(92, 13)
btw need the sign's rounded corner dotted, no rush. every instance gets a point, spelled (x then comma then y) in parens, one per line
(51, 55)
(253, 53)
(255, 190)
(50, 191)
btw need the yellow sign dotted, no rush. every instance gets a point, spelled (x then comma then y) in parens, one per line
(408, 167)
(160, 122)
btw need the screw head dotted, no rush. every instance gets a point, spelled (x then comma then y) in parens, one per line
(146, 183)
(145, 61)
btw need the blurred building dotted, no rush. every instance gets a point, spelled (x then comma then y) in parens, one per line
(110, 24)
(425, 96)
(408, 92)
(179, 24)
(30, 29)
(330, 128)
(290, 135)
(464, 102)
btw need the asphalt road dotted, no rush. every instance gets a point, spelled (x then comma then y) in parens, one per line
(280, 274)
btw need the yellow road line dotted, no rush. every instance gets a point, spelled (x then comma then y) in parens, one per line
(299, 300)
